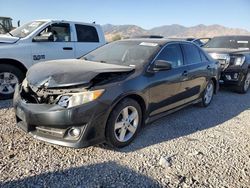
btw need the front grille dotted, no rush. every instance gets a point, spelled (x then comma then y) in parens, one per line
(51, 131)
(232, 60)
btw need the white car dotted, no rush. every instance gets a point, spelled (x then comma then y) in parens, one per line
(43, 40)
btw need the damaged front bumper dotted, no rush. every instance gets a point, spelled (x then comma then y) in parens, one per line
(76, 127)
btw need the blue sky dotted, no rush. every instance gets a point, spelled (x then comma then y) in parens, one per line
(144, 13)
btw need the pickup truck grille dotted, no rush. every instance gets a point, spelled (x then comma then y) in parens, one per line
(232, 60)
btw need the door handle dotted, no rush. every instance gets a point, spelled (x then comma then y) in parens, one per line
(67, 48)
(185, 73)
(209, 67)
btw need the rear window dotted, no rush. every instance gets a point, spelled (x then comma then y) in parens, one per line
(86, 33)
(192, 54)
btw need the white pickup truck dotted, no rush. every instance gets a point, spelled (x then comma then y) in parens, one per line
(43, 40)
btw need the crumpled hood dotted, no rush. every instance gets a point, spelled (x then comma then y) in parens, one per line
(8, 39)
(224, 50)
(70, 72)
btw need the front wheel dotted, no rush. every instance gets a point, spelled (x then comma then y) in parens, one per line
(244, 86)
(124, 123)
(208, 94)
(9, 77)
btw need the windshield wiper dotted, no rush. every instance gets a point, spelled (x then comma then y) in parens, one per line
(86, 59)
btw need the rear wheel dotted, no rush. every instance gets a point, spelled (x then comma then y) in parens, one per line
(124, 123)
(208, 94)
(9, 77)
(244, 86)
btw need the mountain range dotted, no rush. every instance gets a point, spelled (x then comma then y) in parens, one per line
(175, 30)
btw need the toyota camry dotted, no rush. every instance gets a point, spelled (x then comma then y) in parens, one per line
(107, 95)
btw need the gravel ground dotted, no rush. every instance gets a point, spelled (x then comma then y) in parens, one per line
(195, 147)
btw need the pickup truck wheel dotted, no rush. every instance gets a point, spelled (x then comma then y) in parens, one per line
(207, 95)
(244, 86)
(9, 77)
(124, 123)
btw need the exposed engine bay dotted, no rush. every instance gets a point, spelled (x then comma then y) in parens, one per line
(43, 94)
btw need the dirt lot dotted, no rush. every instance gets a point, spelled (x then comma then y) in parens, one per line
(195, 147)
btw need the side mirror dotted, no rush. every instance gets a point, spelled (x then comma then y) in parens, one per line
(46, 37)
(160, 65)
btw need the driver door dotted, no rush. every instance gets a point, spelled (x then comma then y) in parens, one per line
(165, 93)
(54, 42)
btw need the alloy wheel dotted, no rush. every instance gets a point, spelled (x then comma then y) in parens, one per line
(247, 82)
(126, 123)
(209, 93)
(8, 82)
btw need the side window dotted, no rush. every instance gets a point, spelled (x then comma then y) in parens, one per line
(191, 53)
(198, 42)
(173, 54)
(86, 33)
(56, 33)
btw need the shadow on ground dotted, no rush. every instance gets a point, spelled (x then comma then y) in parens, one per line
(5, 104)
(107, 174)
(225, 106)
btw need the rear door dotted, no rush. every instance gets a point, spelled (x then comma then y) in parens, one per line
(194, 78)
(165, 91)
(87, 39)
(58, 46)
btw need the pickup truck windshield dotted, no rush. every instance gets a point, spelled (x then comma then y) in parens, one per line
(124, 53)
(26, 29)
(234, 42)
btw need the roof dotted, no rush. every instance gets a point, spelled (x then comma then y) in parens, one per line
(147, 36)
(186, 39)
(233, 36)
(57, 20)
(160, 41)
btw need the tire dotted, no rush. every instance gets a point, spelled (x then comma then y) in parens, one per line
(119, 132)
(244, 85)
(207, 95)
(9, 77)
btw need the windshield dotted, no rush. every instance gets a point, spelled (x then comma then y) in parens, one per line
(26, 29)
(124, 53)
(234, 42)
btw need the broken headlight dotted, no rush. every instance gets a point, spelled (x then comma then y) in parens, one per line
(75, 99)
